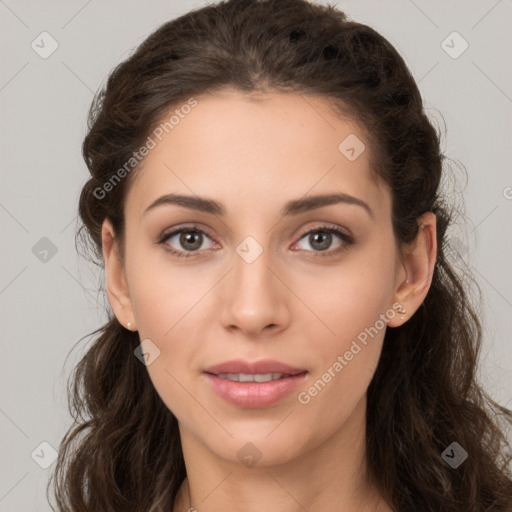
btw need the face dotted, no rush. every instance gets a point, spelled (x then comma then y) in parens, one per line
(312, 287)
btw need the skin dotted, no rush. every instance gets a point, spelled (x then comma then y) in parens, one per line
(253, 154)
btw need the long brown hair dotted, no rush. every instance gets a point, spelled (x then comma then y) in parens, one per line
(123, 451)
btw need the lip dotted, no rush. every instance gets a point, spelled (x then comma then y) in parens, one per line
(254, 367)
(254, 395)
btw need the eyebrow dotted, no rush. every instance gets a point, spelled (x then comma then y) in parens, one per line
(293, 207)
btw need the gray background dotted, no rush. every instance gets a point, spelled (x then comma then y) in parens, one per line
(46, 306)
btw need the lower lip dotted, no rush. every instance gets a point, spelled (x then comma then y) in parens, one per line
(254, 395)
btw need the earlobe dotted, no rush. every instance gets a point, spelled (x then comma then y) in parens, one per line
(418, 261)
(117, 289)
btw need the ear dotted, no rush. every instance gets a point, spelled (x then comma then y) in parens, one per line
(415, 271)
(117, 288)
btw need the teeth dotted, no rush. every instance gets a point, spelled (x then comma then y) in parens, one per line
(247, 377)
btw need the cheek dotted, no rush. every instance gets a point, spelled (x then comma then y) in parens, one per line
(354, 307)
(344, 370)
(348, 300)
(163, 292)
(167, 300)
(164, 312)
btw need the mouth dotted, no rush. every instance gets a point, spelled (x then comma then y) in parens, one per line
(254, 385)
(262, 367)
(249, 377)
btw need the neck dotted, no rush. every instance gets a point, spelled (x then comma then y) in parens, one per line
(329, 477)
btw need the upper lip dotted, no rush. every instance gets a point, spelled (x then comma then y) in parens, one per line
(254, 367)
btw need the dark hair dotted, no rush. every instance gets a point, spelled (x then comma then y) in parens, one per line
(124, 451)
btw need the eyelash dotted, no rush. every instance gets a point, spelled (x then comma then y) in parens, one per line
(347, 240)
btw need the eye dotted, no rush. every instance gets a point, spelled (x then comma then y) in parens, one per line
(189, 238)
(321, 238)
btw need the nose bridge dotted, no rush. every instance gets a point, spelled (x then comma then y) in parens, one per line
(253, 300)
(251, 270)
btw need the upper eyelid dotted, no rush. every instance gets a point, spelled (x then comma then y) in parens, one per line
(173, 231)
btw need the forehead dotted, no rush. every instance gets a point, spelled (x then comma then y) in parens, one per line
(250, 149)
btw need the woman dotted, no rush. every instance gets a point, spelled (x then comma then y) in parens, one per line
(288, 332)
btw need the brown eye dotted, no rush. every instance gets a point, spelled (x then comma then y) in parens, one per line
(182, 241)
(191, 240)
(321, 239)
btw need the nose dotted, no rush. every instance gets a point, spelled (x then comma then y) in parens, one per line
(255, 298)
